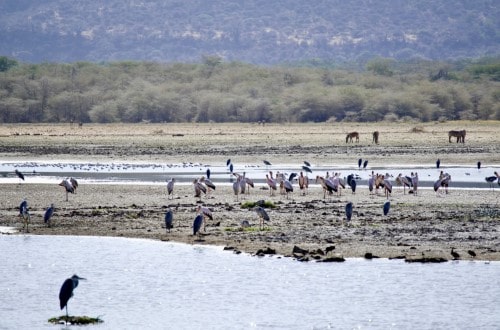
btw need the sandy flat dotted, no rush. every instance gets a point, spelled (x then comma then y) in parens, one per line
(424, 225)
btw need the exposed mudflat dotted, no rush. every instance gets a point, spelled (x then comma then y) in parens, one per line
(419, 226)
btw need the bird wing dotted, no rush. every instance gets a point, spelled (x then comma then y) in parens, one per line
(198, 221)
(66, 292)
(48, 214)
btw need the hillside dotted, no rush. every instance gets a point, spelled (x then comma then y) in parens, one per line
(255, 31)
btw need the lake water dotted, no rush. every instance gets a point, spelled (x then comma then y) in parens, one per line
(465, 177)
(144, 284)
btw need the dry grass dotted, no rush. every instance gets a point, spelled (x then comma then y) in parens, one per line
(320, 143)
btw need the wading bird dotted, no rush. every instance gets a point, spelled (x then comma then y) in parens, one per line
(170, 188)
(303, 183)
(307, 169)
(271, 183)
(209, 184)
(478, 165)
(68, 187)
(327, 185)
(288, 187)
(387, 187)
(206, 213)
(24, 214)
(198, 221)
(263, 216)
(360, 161)
(48, 214)
(438, 163)
(454, 254)
(348, 211)
(403, 181)
(353, 186)
(66, 291)
(169, 219)
(19, 175)
(387, 207)
(414, 181)
(199, 188)
(307, 163)
(236, 187)
(471, 253)
(74, 183)
(365, 164)
(492, 179)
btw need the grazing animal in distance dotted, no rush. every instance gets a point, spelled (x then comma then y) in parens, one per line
(460, 135)
(351, 136)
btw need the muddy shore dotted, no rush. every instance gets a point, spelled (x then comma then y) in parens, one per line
(416, 226)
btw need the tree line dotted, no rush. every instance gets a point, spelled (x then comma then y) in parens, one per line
(216, 91)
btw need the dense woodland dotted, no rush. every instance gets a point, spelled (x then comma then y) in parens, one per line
(217, 91)
(251, 31)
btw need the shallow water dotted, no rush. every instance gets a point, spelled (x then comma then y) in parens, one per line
(133, 283)
(153, 173)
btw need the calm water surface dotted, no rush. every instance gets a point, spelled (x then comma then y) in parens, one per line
(143, 284)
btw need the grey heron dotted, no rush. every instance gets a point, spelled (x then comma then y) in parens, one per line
(198, 221)
(169, 219)
(387, 207)
(263, 216)
(170, 188)
(348, 211)
(48, 214)
(66, 291)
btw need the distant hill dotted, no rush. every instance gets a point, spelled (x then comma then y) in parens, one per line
(254, 31)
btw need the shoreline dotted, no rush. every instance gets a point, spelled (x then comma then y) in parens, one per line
(417, 226)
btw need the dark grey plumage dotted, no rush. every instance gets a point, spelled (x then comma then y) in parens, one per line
(48, 214)
(387, 207)
(169, 219)
(66, 291)
(348, 211)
